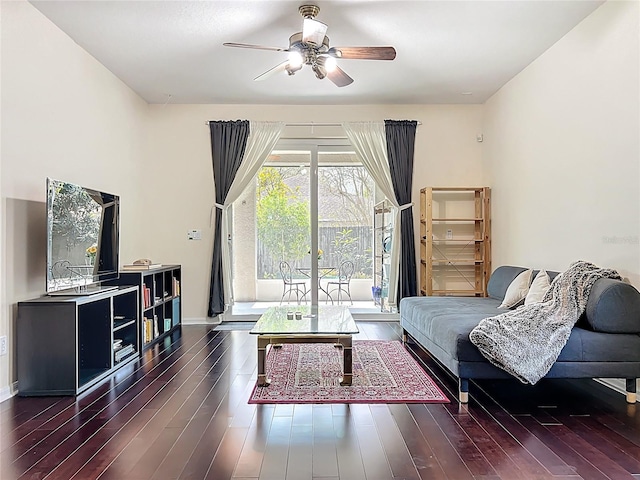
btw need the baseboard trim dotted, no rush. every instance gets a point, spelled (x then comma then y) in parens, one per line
(7, 392)
(617, 384)
(379, 317)
(200, 321)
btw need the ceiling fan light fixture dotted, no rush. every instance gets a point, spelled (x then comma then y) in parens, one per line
(330, 64)
(292, 69)
(295, 59)
(313, 31)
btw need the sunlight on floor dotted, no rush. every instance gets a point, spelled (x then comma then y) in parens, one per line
(366, 308)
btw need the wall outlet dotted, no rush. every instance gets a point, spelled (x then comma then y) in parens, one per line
(449, 234)
(3, 345)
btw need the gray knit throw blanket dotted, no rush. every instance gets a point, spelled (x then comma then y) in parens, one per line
(527, 341)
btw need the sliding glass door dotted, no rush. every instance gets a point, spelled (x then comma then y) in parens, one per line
(303, 231)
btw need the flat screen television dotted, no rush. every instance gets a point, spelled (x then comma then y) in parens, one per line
(83, 238)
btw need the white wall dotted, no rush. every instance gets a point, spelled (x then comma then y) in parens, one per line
(65, 116)
(562, 150)
(446, 153)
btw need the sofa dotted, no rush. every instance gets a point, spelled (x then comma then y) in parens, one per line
(604, 343)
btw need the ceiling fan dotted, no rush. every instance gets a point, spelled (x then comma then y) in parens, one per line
(311, 47)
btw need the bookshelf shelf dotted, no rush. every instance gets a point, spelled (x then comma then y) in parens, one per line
(160, 308)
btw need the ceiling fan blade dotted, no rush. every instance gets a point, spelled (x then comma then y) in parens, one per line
(313, 31)
(339, 77)
(272, 71)
(363, 53)
(259, 47)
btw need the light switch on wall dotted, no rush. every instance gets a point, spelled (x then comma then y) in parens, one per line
(194, 234)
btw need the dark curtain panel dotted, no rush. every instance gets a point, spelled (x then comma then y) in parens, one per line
(401, 136)
(228, 142)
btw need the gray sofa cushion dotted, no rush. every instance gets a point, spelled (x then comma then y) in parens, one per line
(613, 307)
(500, 280)
(447, 321)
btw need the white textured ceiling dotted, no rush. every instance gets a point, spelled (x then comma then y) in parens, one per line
(444, 48)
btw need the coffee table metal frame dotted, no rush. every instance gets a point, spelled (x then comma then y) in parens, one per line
(344, 341)
(296, 334)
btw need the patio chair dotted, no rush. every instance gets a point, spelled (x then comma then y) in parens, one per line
(341, 284)
(292, 286)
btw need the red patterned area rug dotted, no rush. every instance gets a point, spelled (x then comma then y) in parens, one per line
(383, 372)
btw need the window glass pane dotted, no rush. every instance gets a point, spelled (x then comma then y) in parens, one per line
(282, 219)
(345, 206)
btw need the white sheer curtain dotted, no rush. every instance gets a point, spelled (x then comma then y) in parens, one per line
(370, 143)
(263, 136)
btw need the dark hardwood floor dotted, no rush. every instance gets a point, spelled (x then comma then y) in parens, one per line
(181, 412)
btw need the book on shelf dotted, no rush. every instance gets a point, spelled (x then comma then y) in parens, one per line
(123, 352)
(147, 296)
(148, 330)
(134, 266)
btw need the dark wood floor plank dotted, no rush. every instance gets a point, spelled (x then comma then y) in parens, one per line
(375, 463)
(492, 450)
(144, 458)
(581, 465)
(252, 454)
(86, 407)
(422, 456)
(177, 458)
(447, 456)
(300, 458)
(21, 425)
(106, 457)
(518, 453)
(465, 446)
(144, 445)
(398, 456)
(302, 415)
(599, 459)
(361, 414)
(243, 412)
(81, 444)
(615, 446)
(43, 456)
(226, 457)
(201, 459)
(181, 411)
(276, 452)
(74, 428)
(325, 458)
(94, 464)
(542, 453)
(348, 452)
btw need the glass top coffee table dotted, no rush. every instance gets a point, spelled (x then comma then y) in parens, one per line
(322, 324)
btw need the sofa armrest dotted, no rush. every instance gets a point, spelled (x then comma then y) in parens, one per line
(613, 306)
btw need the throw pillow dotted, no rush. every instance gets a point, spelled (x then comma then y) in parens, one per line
(517, 290)
(539, 287)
